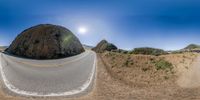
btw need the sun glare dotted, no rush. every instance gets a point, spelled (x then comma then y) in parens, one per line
(82, 30)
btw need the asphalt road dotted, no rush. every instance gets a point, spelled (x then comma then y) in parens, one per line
(59, 77)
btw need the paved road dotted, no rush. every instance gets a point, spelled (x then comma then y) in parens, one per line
(59, 77)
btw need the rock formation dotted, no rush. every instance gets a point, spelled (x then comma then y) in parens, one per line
(46, 41)
(104, 46)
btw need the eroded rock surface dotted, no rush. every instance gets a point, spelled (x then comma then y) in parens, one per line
(46, 41)
(104, 46)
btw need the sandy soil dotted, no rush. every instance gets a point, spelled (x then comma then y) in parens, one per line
(110, 87)
(180, 83)
(191, 78)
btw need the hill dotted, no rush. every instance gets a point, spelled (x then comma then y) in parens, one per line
(87, 46)
(192, 46)
(148, 51)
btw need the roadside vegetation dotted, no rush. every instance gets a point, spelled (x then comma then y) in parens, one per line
(144, 70)
(148, 51)
(163, 65)
(143, 51)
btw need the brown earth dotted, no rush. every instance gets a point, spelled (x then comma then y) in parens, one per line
(191, 78)
(135, 82)
(140, 70)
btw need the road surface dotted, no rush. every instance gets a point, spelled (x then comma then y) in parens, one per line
(59, 77)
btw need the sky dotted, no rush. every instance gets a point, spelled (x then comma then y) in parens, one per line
(165, 24)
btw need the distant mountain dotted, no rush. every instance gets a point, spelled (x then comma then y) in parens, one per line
(148, 51)
(87, 46)
(192, 46)
(2, 48)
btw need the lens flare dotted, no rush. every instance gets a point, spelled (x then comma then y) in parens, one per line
(82, 30)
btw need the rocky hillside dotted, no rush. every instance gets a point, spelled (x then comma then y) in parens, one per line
(46, 41)
(104, 46)
(192, 46)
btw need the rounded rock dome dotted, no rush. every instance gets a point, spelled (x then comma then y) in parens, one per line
(46, 41)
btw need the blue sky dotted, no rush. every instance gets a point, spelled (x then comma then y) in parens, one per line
(165, 24)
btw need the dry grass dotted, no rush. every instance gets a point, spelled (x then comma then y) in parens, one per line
(137, 70)
(143, 70)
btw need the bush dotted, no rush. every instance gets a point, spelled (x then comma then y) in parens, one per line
(162, 64)
(148, 51)
(128, 62)
(120, 51)
(145, 69)
(176, 52)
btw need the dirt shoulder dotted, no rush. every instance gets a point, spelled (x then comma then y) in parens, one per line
(140, 73)
(191, 78)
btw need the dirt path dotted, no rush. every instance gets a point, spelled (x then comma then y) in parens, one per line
(190, 78)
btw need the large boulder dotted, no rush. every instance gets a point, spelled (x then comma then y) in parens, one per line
(104, 46)
(46, 41)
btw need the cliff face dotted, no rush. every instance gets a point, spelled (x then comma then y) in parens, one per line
(104, 46)
(46, 41)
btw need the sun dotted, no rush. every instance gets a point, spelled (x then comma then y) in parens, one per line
(82, 30)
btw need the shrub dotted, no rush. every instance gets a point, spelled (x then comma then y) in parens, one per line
(127, 62)
(148, 51)
(120, 51)
(131, 63)
(162, 64)
(176, 52)
(145, 69)
(166, 77)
